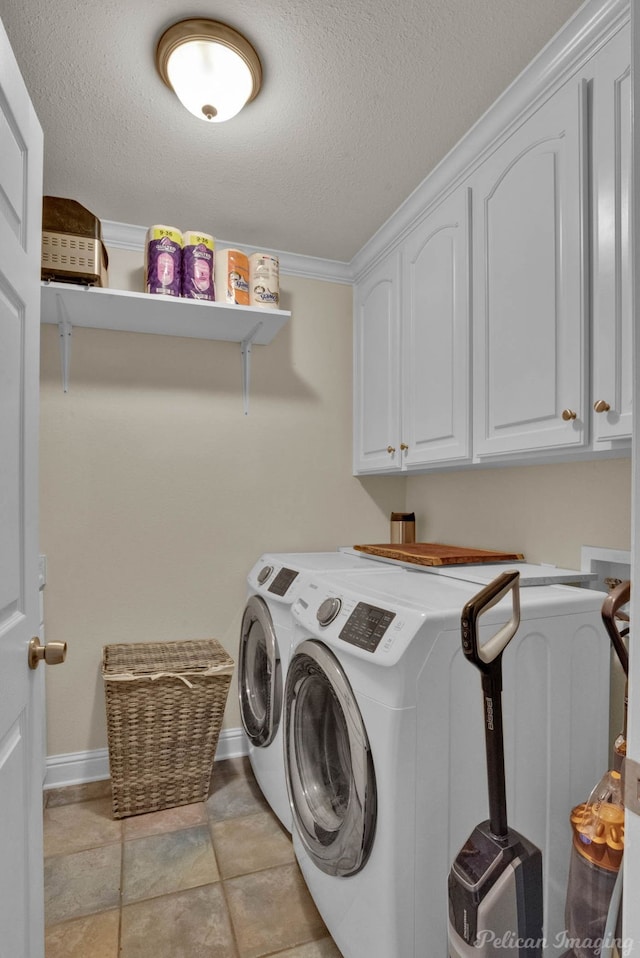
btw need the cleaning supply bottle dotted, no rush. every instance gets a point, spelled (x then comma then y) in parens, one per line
(596, 854)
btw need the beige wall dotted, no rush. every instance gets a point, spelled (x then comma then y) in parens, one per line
(546, 512)
(158, 494)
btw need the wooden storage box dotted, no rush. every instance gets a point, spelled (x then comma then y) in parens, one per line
(165, 702)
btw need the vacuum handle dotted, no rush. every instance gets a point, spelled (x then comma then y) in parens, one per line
(483, 655)
(614, 601)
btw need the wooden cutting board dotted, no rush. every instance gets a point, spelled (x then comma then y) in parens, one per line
(437, 554)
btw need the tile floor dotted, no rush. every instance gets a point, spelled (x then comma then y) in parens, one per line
(211, 880)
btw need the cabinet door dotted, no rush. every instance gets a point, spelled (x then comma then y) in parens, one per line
(612, 321)
(435, 369)
(376, 366)
(529, 297)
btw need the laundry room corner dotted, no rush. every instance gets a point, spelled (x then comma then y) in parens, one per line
(158, 494)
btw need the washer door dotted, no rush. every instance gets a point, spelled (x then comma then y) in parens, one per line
(259, 674)
(329, 767)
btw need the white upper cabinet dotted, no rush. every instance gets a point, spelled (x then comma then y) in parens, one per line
(612, 320)
(508, 291)
(529, 284)
(376, 369)
(412, 348)
(435, 374)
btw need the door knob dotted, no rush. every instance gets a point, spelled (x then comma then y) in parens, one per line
(53, 653)
(404, 446)
(391, 450)
(601, 405)
(568, 415)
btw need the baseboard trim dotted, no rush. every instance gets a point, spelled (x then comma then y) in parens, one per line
(78, 768)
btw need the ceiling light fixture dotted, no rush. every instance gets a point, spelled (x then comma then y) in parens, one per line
(210, 67)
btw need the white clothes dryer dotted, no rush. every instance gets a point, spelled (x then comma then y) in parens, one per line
(384, 746)
(531, 573)
(265, 639)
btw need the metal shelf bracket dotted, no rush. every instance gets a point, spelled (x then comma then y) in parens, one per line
(245, 351)
(140, 318)
(65, 331)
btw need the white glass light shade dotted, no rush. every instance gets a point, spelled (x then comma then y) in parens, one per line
(205, 74)
(212, 69)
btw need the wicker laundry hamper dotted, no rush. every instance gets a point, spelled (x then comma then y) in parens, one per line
(165, 702)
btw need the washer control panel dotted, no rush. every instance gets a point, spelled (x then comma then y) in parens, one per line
(366, 626)
(282, 581)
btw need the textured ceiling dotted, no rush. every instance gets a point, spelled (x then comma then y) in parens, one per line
(360, 100)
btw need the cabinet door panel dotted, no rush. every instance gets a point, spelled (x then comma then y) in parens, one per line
(435, 336)
(376, 391)
(612, 317)
(520, 263)
(529, 300)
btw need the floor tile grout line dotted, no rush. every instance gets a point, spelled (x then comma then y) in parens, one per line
(119, 946)
(122, 904)
(232, 924)
(79, 851)
(266, 954)
(169, 831)
(257, 871)
(220, 881)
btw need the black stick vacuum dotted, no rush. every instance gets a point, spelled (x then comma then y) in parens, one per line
(618, 597)
(495, 882)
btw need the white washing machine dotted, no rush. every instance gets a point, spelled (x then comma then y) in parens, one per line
(384, 746)
(265, 639)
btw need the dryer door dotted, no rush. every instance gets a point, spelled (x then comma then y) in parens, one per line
(259, 674)
(329, 767)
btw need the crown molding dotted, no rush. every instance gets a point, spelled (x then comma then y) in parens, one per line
(590, 27)
(130, 237)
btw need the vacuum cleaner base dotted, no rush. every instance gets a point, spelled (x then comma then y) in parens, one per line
(495, 897)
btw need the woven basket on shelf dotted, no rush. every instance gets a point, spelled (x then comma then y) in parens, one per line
(165, 702)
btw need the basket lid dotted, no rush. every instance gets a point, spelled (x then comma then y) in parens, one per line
(187, 656)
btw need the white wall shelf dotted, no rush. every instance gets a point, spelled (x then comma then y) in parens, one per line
(67, 305)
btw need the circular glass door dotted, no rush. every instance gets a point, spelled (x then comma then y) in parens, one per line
(259, 674)
(329, 767)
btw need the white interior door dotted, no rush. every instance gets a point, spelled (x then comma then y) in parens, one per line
(631, 913)
(21, 893)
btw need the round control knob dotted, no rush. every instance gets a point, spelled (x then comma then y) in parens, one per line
(264, 573)
(328, 610)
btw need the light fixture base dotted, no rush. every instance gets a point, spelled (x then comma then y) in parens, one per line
(208, 30)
